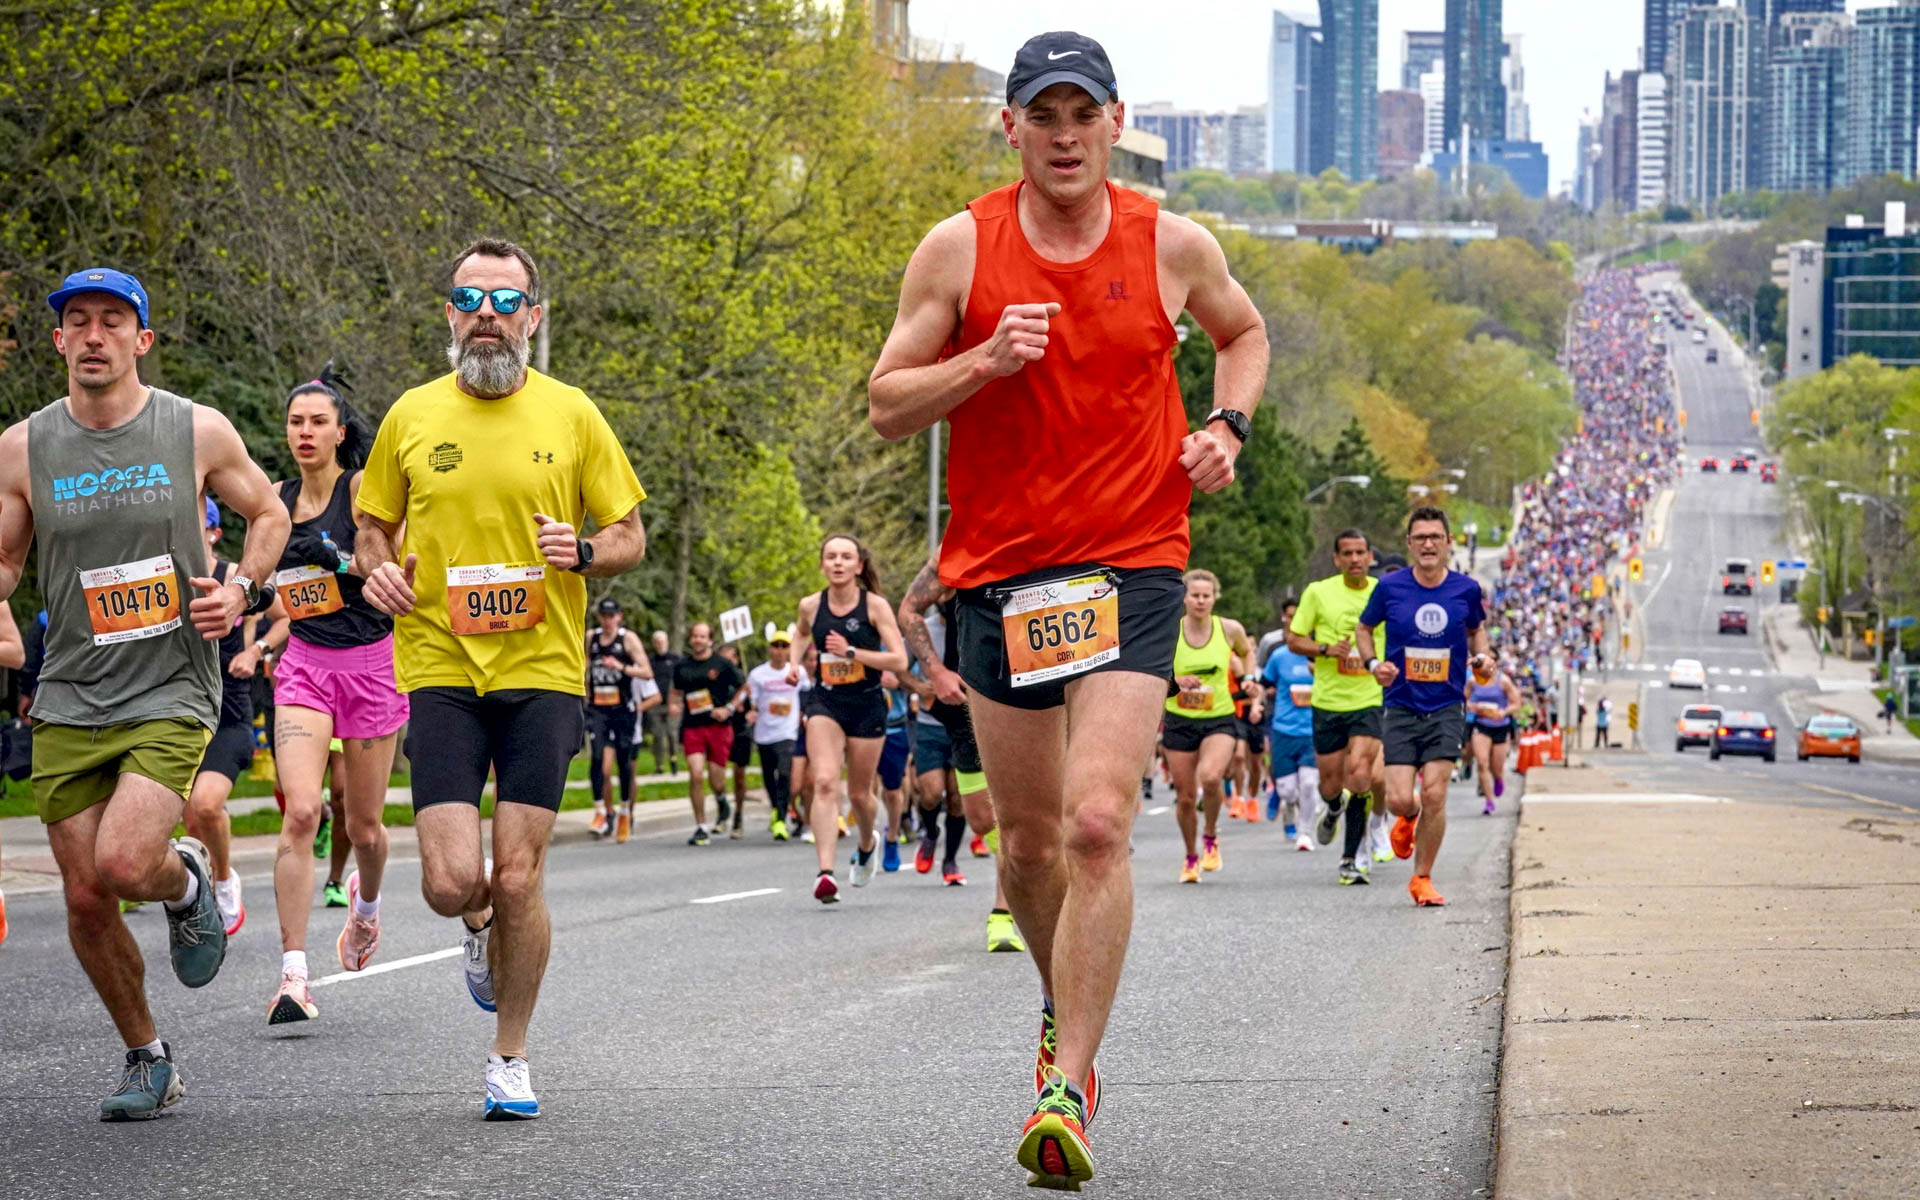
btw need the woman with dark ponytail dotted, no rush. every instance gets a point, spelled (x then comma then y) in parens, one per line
(334, 681)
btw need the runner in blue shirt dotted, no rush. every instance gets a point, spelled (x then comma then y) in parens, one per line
(1434, 619)
(1296, 779)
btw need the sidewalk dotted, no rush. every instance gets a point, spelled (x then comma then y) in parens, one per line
(1841, 686)
(1701, 1003)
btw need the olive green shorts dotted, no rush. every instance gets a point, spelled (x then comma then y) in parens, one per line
(76, 767)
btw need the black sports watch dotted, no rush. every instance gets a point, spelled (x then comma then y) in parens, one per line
(1236, 421)
(584, 549)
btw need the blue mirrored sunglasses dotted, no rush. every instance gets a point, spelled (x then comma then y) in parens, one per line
(506, 301)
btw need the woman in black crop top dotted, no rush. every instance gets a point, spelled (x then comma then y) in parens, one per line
(846, 712)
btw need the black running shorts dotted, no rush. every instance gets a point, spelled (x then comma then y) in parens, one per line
(527, 735)
(1414, 739)
(230, 752)
(1184, 734)
(1150, 605)
(1333, 730)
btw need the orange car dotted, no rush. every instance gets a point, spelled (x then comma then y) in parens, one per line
(1829, 736)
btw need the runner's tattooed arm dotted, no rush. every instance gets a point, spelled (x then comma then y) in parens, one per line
(923, 594)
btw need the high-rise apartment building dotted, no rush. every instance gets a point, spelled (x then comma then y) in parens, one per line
(1232, 142)
(1715, 87)
(1871, 291)
(1403, 135)
(1247, 140)
(1883, 91)
(1421, 50)
(1513, 77)
(1617, 176)
(1476, 99)
(1770, 12)
(1806, 103)
(1433, 97)
(1351, 30)
(1296, 127)
(1656, 30)
(1650, 153)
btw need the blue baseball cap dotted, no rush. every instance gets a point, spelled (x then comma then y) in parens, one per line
(213, 513)
(102, 279)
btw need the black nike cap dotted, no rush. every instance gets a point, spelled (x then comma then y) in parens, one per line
(1054, 58)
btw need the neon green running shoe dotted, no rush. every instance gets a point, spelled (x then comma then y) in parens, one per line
(323, 836)
(1003, 936)
(336, 895)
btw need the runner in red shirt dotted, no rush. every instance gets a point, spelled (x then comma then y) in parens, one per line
(1040, 324)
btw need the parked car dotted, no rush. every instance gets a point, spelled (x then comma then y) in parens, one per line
(1696, 725)
(1829, 735)
(1733, 620)
(1687, 673)
(1743, 733)
(1737, 580)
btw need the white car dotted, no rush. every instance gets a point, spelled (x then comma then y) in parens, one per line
(1696, 725)
(1699, 335)
(1687, 672)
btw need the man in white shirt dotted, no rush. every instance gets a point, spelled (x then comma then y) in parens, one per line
(775, 721)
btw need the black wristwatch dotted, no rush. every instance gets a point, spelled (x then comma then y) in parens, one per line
(584, 549)
(1236, 421)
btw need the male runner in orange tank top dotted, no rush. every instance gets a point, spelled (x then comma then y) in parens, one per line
(1039, 323)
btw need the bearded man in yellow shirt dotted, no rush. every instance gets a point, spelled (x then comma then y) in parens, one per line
(468, 535)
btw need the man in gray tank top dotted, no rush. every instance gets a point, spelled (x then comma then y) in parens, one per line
(107, 483)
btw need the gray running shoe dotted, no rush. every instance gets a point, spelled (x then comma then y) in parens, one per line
(149, 1085)
(197, 936)
(1329, 820)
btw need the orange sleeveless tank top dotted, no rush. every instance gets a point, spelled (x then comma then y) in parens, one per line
(1075, 458)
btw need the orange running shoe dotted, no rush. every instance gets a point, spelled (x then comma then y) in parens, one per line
(3, 917)
(1190, 873)
(624, 828)
(1043, 1063)
(1401, 837)
(1420, 887)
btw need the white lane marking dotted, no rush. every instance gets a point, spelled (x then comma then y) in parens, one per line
(722, 899)
(1158, 809)
(383, 968)
(1622, 798)
(1713, 670)
(1735, 671)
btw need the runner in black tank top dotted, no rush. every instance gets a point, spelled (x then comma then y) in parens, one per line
(615, 658)
(846, 714)
(231, 750)
(334, 681)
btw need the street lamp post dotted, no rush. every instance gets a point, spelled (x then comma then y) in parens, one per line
(1359, 481)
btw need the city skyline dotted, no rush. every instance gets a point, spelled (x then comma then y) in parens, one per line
(1215, 57)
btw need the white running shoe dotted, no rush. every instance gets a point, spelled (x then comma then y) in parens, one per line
(479, 973)
(509, 1091)
(862, 873)
(226, 894)
(1304, 844)
(806, 835)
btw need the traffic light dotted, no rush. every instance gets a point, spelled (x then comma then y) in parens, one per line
(1766, 572)
(1634, 570)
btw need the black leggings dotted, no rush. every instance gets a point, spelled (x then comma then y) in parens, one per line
(608, 729)
(776, 774)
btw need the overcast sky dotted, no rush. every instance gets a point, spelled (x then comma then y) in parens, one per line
(1213, 53)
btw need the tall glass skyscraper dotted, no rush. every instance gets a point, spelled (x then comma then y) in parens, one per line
(1351, 29)
(1476, 98)
(1883, 91)
(1295, 64)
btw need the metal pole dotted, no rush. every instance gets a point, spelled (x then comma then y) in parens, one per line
(933, 489)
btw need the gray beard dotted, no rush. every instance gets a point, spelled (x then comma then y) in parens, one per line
(489, 371)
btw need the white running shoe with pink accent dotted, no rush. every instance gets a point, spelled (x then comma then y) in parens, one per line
(361, 937)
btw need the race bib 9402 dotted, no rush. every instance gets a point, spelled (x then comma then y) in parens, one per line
(496, 598)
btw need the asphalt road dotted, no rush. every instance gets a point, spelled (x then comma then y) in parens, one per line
(1717, 516)
(1277, 1035)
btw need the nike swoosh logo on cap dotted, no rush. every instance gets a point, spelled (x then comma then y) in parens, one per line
(1052, 57)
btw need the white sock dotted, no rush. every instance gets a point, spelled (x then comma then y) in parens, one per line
(294, 962)
(363, 907)
(154, 1048)
(227, 886)
(192, 893)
